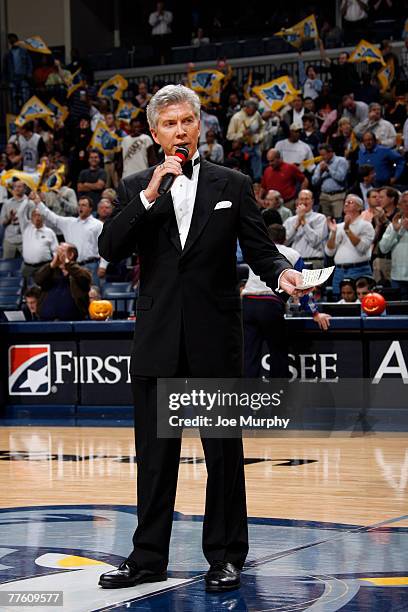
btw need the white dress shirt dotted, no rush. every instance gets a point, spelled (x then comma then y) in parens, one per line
(344, 251)
(307, 239)
(183, 193)
(39, 245)
(255, 285)
(81, 233)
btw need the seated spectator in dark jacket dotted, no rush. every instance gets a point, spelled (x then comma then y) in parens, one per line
(64, 286)
(30, 308)
(309, 133)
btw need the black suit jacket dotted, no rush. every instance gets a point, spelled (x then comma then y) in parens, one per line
(195, 287)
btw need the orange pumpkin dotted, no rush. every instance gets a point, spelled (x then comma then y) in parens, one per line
(373, 304)
(99, 310)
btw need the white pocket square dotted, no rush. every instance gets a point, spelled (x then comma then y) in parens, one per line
(223, 204)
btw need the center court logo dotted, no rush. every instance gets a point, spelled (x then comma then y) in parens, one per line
(29, 369)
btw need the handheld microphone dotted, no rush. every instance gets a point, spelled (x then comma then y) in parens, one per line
(168, 179)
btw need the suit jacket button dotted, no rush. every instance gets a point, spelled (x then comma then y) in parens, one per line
(133, 220)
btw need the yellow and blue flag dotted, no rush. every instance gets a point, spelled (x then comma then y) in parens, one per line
(104, 140)
(33, 109)
(248, 85)
(113, 87)
(126, 111)
(54, 181)
(386, 76)
(59, 111)
(34, 44)
(303, 30)
(207, 84)
(366, 52)
(31, 179)
(276, 93)
(75, 81)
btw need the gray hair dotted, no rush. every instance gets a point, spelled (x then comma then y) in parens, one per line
(171, 94)
(356, 200)
(275, 194)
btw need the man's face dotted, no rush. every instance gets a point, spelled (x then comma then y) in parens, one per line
(32, 304)
(84, 209)
(374, 114)
(384, 200)
(294, 135)
(104, 210)
(347, 293)
(343, 58)
(135, 128)
(84, 124)
(233, 100)
(36, 219)
(403, 206)
(305, 199)
(362, 291)
(250, 110)
(18, 189)
(110, 120)
(142, 89)
(373, 199)
(326, 155)
(297, 104)
(177, 126)
(308, 125)
(351, 206)
(350, 104)
(368, 142)
(93, 160)
(210, 137)
(274, 159)
(309, 105)
(271, 201)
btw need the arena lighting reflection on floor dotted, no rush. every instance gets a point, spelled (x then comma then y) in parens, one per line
(292, 565)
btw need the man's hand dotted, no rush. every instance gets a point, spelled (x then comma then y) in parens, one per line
(396, 222)
(35, 197)
(288, 282)
(172, 165)
(347, 221)
(101, 272)
(323, 166)
(323, 320)
(331, 224)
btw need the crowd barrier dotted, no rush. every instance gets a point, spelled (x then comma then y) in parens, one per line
(79, 370)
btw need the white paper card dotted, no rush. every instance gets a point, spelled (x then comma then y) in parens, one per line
(314, 278)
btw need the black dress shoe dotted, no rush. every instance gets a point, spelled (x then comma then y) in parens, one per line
(128, 575)
(222, 577)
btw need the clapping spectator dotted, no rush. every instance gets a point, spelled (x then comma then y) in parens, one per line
(350, 243)
(388, 199)
(306, 230)
(395, 241)
(330, 176)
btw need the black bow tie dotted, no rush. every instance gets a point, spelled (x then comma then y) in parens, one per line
(188, 167)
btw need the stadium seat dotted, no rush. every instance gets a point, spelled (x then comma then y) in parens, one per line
(109, 288)
(10, 303)
(123, 302)
(10, 267)
(11, 281)
(9, 292)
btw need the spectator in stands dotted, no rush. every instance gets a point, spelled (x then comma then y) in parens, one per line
(109, 165)
(384, 130)
(248, 126)
(209, 121)
(350, 243)
(364, 183)
(355, 112)
(212, 150)
(94, 293)
(64, 287)
(258, 193)
(292, 149)
(388, 199)
(105, 209)
(330, 176)
(344, 75)
(109, 194)
(373, 208)
(143, 96)
(39, 242)
(355, 14)
(388, 164)
(137, 149)
(395, 241)
(284, 178)
(306, 230)
(309, 133)
(348, 291)
(18, 70)
(30, 307)
(274, 129)
(311, 85)
(81, 138)
(237, 158)
(12, 240)
(32, 147)
(82, 231)
(62, 201)
(199, 40)
(14, 157)
(404, 66)
(363, 287)
(234, 106)
(274, 201)
(295, 114)
(92, 182)
(160, 21)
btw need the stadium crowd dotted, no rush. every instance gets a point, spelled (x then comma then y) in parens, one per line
(330, 168)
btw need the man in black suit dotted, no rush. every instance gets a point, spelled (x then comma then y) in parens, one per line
(188, 324)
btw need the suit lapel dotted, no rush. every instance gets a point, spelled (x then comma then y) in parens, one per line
(209, 188)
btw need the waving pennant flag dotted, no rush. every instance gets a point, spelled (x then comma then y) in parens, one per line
(75, 81)
(207, 84)
(31, 179)
(54, 181)
(386, 76)
(104, 140)
(113, 87)
(248, 85)
(35, 44)
(303, 30)
(126, 111)
(33, 109)
(306, 163)
(366, 52)
(276, 93)
(59, 111)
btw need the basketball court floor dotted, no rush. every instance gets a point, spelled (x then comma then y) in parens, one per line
(328, 523)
